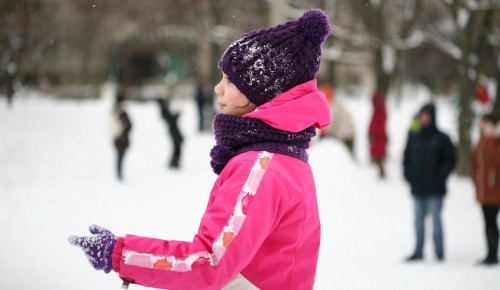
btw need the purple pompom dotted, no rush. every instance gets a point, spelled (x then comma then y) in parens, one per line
(315, 25)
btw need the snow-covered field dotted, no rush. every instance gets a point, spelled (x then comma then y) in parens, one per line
(57, 178)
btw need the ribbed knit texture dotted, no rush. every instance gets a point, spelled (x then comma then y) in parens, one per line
(264, 63)
(235, 135)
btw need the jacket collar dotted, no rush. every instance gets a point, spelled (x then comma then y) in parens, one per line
(301, 107)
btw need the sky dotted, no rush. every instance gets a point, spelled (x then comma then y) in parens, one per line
(57, 178)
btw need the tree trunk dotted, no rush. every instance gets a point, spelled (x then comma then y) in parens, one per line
(464, 125)
(382, 77)
(496, 107)
(496, 104)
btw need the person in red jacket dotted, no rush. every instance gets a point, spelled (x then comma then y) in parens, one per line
(486, 177)
(377, 133)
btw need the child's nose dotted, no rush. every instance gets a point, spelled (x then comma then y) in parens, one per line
(217, 90)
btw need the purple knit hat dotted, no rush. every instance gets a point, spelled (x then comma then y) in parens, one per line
(267, 62)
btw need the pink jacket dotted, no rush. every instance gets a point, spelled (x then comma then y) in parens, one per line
(261, 227)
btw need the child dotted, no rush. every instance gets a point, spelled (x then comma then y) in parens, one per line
(261, 228)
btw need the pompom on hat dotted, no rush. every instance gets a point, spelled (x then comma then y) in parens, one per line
(267, 62)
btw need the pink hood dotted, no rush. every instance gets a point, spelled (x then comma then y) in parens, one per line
(296, 109)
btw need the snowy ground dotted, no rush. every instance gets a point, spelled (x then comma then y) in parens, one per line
(57, 177)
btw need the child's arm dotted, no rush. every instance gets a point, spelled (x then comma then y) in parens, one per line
(240, 216)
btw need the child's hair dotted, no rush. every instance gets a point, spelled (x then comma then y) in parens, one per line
(264, 63)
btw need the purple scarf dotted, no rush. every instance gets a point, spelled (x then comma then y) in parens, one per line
(235, 135)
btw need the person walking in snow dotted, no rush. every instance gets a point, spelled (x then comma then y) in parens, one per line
(171, 119)
(486, 177)
(200, 98)
(377, 135)
(120, 128)
(429, 158)
(261, 227)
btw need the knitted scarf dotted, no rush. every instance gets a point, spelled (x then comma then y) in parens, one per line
(235, 135)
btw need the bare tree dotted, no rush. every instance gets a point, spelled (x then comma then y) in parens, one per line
(465, 35)
(466, 31)
(489, 60)
(15, 19)
(388, 31)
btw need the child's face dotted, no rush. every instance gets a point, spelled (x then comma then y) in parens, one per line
(231, 101)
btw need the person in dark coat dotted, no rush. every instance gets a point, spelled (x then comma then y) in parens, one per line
(121, 127)
(175, 133)
(201, 99)
(429, 158)
(486, 177)
(377, 132)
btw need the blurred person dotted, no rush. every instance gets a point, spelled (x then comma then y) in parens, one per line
(9, 89)
(120, 129)
(200, 99)
(171, 119)
(486, 177)
(342, 126)
(377, 135)
(261, 227)
(429, 158)
(327, 89)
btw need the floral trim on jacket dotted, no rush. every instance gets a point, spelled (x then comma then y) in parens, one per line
(228, 234)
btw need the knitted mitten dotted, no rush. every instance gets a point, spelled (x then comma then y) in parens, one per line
(98, 248)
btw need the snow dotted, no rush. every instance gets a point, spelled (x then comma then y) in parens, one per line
(414, 40)
(463, 16)
(389, 58)
(446, 46)
(57, 178)
(375, 3)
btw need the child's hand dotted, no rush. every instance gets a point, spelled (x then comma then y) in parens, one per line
(98, 248)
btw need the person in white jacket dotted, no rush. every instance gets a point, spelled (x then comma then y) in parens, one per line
(342, 126)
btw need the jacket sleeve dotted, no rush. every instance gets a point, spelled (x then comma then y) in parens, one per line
(125, 120)
(473, 163)
(407, 159)
(247, 205)
(449, 157)
(378, 125)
